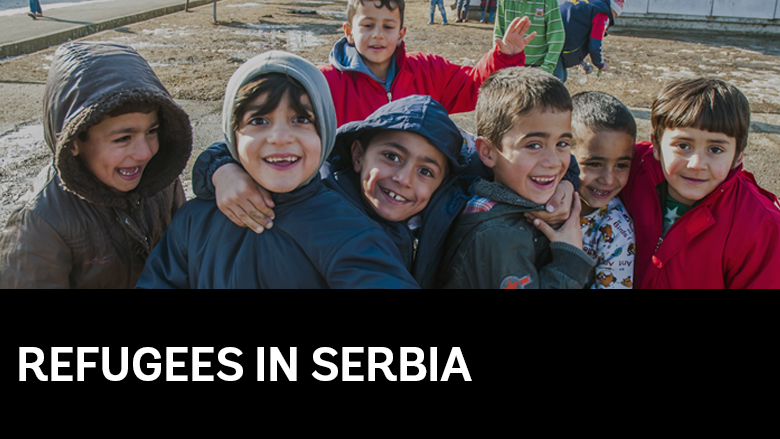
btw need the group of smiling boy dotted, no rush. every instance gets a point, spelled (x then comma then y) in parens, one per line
(354, 176)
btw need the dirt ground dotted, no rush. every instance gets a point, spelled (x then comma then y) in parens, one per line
(195, 58)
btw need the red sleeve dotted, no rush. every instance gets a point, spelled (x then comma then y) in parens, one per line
(600, 25)
(636, 165)
(756, 266)
(462, 83)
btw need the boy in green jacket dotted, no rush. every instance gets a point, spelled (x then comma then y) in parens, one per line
(525, 135)
(545, 15)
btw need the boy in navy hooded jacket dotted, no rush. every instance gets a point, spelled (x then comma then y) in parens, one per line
(280, 124)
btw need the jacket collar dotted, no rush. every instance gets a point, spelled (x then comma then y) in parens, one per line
(502, 194)
(298, 195)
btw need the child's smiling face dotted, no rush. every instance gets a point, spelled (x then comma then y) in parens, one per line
(118, 149)
(280, 149)
(605, 164)
(376, 33)
(399, 173)
(695, 162)
(535, 154)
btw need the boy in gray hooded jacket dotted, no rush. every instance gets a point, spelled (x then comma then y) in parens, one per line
(280, 125)
(119, 143)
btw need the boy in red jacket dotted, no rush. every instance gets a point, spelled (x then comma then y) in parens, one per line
(701, 221)
(370, 67)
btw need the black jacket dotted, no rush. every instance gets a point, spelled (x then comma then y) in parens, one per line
(204, 249)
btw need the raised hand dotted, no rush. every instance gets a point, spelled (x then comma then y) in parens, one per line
(242, 200)
(514, 41)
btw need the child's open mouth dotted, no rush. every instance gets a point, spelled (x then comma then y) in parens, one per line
(598, 193)
(129, 174)
(376, 48)
(393, 198)
(282, 163)
(544, 183)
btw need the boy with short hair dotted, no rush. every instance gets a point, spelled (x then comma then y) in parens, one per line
(545, 16)
(370, 67)
(524, 128)
(279, 123)
(701, 221)
(604, 138)
(586, 25)
(120, 142)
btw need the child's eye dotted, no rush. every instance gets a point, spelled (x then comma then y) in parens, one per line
(392, 157)
(426, 172)
(593, 165)
(717, 150)
(564, 144)
(302, 120)
(684, 146)
(154, 131)
(623, 166)
(258, 121)
(534, 146)
(122, 140)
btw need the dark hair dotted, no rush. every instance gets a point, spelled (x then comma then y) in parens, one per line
(125, 108)
(510, 93)
(599, 112)
(391, 5)
(705, 104)
(277, 85)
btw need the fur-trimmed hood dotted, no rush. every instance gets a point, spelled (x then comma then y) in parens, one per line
(86, 82)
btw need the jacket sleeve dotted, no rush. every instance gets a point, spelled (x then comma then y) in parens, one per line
(214, 157)
(33, 254)
(462, 83)
(755, 265)
(573, 173)
(167, 266)
(368, 260)
(598, 29)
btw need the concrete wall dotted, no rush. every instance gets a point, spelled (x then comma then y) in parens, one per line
(760, 9)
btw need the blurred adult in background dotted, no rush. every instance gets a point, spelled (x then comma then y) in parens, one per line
(463, 11)
(586, 26)
(440, 4)
(35, 9)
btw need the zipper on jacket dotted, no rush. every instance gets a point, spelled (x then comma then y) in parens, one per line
(416, 246)
(389, 97)
(660, 241)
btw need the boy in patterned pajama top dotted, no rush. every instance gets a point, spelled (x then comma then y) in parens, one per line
(604, 137)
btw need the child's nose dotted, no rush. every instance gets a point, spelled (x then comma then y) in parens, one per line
(404, 176)
(696, 162)
(608, 177)
(143, 150)
(280, 134)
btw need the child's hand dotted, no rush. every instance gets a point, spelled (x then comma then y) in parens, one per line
(513, 42)
(558, 208)
(242, 200)
(571, 232)
(605, 69)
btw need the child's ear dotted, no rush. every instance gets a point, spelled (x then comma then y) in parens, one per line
(357, 156)
(486, 152)
(656, 148)
(739, 160)
(75, 149)
(403, 34)
(348, 33)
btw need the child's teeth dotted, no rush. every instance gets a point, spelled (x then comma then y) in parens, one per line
(286, 159)
(543, 180)
(396, 197)
(127, 174)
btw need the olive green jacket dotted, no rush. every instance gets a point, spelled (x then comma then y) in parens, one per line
(501, 249)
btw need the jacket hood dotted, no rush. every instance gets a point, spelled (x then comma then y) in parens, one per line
(86, 82)
(604, 6)
(340, 58)
(312, 80)
(414, 114)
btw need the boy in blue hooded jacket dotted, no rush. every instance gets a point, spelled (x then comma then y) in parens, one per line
(280, 124)
(586, 25)
(405, 166)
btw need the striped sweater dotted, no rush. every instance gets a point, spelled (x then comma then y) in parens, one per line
(545, 17)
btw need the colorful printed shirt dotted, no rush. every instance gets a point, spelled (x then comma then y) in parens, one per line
(608, 236)
(545, 16)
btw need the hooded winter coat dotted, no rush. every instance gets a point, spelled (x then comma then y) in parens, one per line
(74, 232)
(357, 95)
(586, 24)
(730, 239)
(415, 114)
(319, 239)
(500, 249)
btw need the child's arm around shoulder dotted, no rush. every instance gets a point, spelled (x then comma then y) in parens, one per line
(33, 254)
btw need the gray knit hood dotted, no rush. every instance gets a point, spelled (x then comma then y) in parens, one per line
(86, 82)
(303, 71)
